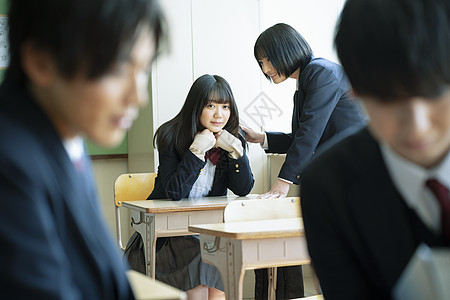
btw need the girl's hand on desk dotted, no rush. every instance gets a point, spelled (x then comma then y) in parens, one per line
(229, 143)
(203, 141)
(279, 190)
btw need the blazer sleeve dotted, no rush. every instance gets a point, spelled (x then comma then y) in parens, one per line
(176, 174)
(240, 177)
(322, 92)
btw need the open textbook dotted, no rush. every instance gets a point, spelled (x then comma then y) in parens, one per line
(427, 275)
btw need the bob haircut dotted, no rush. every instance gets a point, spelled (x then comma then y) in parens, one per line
(286, 49)
(181, 130)
(81, 35)
(402, 55)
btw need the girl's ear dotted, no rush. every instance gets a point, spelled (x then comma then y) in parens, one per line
(37, 64)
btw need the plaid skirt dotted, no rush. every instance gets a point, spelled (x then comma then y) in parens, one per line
(179, 264)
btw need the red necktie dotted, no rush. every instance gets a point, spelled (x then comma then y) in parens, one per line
(442, 195)
(213, 155)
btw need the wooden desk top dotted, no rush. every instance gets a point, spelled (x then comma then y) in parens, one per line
(186, 204)
(253, 229)
(145, 288)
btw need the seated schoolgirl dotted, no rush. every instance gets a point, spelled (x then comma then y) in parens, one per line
(200, 154)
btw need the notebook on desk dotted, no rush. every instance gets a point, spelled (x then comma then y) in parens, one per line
(427, 275)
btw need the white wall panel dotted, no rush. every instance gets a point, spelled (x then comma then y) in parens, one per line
(172, 71)
(224, 33)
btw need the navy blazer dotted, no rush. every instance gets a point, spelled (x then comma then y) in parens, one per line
(322, 108)
(177, 174)
(54, 243)
(360, 232)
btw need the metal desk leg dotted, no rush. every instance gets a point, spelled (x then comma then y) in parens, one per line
(150, 245)
(272, 286)
(226, 255)
(145, 226)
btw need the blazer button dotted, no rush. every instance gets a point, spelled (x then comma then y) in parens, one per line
(298, 176)
(237, 165)
(237, 171)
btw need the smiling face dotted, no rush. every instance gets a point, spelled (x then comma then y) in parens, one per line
(269, 70)
(215, 116)
(101, 109)
(418, 129)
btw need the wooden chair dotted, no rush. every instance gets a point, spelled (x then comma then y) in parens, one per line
(264, 209)
(131, 187)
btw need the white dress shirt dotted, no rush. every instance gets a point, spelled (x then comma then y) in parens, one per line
(409, 178)
(204, 182)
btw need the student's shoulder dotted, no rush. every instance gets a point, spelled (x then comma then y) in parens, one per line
(320, 69)
(27, 137)
(320, 64)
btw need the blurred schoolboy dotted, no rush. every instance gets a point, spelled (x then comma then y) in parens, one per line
(78, 68)
(369, 201)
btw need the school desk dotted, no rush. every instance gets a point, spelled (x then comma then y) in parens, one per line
(165, 218)
(145, 288)
(238, 246)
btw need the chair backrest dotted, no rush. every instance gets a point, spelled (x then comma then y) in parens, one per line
(130, 187)
(262, 209)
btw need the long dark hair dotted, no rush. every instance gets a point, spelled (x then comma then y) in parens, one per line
(181, 130)
(286, 49)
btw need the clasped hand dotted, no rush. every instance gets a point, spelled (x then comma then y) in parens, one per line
(205, 140)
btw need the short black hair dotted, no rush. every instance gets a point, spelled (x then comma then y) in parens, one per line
(88, 34)
(181, 130)
(285, 47)
(395, 49)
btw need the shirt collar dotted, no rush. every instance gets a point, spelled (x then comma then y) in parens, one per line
(74, 147)
(409, 178)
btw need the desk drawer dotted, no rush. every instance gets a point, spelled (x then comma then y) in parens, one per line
(170, 224)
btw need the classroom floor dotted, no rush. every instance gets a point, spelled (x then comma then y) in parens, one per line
(308, 281)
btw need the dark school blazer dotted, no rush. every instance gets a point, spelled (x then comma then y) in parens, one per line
(360, 232)
(322, 109)
(177, 174)
(54, 243)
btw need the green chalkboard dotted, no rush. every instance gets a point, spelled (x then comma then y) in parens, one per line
(96, 150)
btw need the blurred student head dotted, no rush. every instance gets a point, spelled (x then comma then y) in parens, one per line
(85, 62)
(396, 54)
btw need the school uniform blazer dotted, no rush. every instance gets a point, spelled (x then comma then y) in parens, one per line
(53, 241)
(322, 109)
(359, 230)
(177, 174)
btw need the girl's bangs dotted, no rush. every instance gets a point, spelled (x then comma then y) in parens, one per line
(220, 95)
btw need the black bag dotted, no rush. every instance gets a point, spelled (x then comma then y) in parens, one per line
(134, 253)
